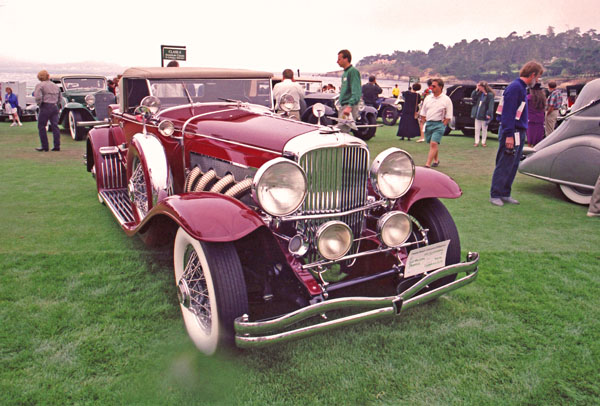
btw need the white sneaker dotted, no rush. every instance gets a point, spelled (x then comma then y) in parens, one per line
(13, 124)
(496, 201)
(509, 200)
(21, 124)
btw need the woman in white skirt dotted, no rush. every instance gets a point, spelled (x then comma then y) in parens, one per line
(11, 102)
(482, 111)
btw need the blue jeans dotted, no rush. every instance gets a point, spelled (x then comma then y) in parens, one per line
(506, 166)
(48, 111)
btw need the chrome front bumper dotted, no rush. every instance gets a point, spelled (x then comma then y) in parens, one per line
(262, 333)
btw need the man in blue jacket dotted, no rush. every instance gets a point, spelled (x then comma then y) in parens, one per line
(513, 133)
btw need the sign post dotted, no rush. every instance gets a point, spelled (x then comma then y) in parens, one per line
(172, 52)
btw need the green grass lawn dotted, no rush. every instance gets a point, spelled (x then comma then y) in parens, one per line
(90, 316)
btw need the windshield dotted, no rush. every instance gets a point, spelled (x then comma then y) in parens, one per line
(84, 83)
(172, 92)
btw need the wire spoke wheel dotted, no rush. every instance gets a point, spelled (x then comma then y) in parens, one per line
(211, 289)
(137, 189)
(193, 291)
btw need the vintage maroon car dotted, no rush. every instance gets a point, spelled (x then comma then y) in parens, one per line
(273, 221)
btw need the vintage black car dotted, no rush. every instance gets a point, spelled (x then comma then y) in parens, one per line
(84, 101)
(460, 94)
(389, 109)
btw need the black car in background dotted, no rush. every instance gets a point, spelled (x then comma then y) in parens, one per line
(460, 94)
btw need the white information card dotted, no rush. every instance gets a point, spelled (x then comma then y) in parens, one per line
(426, 259)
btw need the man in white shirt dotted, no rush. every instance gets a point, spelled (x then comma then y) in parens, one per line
(288, 86)
(436, 114)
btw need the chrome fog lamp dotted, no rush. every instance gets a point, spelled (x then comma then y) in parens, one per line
(394, 228)
(90, 100)
(334, 240)
(392, 173)
(279, 187)
(166, 128)
(286, 102)
(298, 245)
(152, 103)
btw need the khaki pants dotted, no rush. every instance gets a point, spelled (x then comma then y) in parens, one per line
(550, 121)
(354, 112)
(594, 209)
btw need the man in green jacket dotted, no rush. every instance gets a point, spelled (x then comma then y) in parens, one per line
(350, 91)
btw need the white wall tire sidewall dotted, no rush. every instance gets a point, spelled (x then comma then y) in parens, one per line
(207, 342)
(72, 125)
(575, 197)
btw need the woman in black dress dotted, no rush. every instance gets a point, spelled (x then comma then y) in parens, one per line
(409, 125)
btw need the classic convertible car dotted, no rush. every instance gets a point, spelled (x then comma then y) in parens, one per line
(570, 155)
(272, 221)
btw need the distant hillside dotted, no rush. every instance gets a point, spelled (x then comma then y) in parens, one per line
(12, 65)
(566, 55)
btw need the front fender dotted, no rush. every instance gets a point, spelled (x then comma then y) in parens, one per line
(152, 155)
(206, 216)
(429, 183)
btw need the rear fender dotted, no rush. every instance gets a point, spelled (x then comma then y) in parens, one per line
(572, 160)
(429, 183)
(105, 159)
(205, 216)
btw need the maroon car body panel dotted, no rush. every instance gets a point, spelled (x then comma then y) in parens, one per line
(229, 219)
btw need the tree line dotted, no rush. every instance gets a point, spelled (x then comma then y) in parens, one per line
(566, 54)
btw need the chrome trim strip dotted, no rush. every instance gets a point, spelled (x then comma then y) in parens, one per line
(312, 140)
(560, 182)
(250, 334)
(381, 249)
(366, 207)
(92, 123)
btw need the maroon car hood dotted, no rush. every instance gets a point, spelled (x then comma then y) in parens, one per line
(246, 127)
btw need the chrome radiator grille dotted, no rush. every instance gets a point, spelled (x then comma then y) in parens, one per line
(337, 181)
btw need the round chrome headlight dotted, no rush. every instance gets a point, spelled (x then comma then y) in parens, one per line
(394, 228)
(166, 128)
(152, 103)
(318, 110)
(392, 173)
(361, 105)
(286, 102)
(90, 100)
(279, 187)
(334, 240)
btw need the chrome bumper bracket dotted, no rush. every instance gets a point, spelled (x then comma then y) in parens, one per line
(251, 334)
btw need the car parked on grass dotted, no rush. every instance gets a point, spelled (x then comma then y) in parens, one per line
(366, 125)
(570, 155)
(272, 220)
(389, 109)
(84, 98)
(462, 103)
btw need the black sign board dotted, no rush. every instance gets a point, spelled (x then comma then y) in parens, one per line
(172, 52)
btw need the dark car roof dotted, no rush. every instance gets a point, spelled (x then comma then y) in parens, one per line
(194, 73)
(61, 76)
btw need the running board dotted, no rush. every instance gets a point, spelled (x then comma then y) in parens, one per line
(119, 204)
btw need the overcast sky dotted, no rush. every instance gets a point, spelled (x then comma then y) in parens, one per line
(263, 34)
